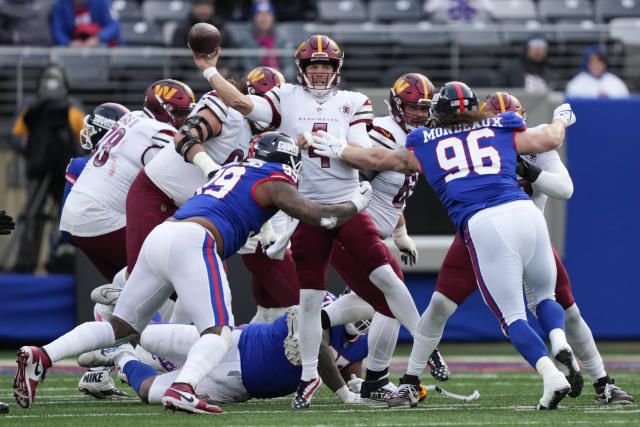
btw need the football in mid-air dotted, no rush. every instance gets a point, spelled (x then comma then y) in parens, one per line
(204, 38)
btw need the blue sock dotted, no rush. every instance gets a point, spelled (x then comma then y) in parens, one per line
(550, 315)
(527, 341)
(137, 372)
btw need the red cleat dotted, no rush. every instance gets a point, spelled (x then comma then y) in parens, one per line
(33, 362)
(181, 397)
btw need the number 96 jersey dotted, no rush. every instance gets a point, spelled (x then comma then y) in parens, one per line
(227, 200)
(470, 167)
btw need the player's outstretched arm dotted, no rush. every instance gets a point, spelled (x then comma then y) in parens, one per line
(192, 134)
(229, 94)
(545, 139)
(286, 198)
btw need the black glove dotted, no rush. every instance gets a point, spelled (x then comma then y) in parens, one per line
(527, 171)
(6, 223)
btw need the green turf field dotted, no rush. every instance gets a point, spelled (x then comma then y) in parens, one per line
(506, 398)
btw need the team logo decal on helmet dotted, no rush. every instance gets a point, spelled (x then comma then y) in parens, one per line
(99, 122)
(261, 80)
(453, 98)
(410, 89)
(276, 147)
(169, 101)
(501, 102)
(319, 48)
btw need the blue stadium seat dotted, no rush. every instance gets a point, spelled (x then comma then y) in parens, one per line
(609, 9)
(513, 10)
(341, 11)
(141, 33)
(160, 10)
(394, 10)
(552, 10)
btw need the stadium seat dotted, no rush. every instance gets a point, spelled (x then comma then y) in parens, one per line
(585, 31)
(341, 11)
(609, 9)
(395, 10)
(479, 34)
(294, 31)
(478, 77)
(626, 30)
(160, 11)
(86, 68)
(367, 34)
(142, 60)
(420, 34)
(520, 33)
(552, 10)
(128, 10)
(141, 33)
(237, 29)
(513, 10)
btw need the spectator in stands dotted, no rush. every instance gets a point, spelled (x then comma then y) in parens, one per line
(595, 81)
(458, 10)
(263, 35)
(531, 71)
(24, 23)
(85, 23)
(201, 11)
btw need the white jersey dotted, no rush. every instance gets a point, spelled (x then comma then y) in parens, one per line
(390, 189)
(554, 180)
(293, 110)
(179, 179)
(96, 204)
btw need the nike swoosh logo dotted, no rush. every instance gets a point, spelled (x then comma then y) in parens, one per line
(37, 370)
(189, 399)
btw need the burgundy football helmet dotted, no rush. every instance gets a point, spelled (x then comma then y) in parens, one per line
(319, 48)
(500, 102)
(97, 123)
(410, 89)
(261, 80)
(169, 101)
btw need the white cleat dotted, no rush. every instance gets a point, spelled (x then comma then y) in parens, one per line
(98, 383)
(555, 389)
(104, 357)
(106, 294)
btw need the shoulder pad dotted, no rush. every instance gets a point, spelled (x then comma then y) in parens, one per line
(382, 137)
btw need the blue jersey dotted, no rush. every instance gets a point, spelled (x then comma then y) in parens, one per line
(472, 167)
(74, 169)
(227, 200)
(267, 373)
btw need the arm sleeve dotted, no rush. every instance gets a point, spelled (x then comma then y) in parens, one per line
(358, 135)
(264, 110)
(554, 180)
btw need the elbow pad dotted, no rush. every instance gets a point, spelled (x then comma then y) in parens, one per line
(184, 145)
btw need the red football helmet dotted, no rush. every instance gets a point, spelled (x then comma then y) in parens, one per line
(410, 89)
(169, 101)
(500, 102)
(261, 80)
(319, 48)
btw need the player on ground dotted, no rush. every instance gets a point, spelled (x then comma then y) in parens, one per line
(94, 212)
(469, 158)
(315, 104)
(184, 254)
(542, 175)
(409, 102)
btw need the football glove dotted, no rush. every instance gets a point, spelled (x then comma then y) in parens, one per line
(347, 396)
(250, 245)
(406, 245)
(6, 223)
(565, 113)
(327, 145)
(362, 196)
(267, 235)
(527, 171)
(355, 384)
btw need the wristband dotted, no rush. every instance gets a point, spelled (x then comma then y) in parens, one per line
(400, 231)
(205, 163)
(209, 72)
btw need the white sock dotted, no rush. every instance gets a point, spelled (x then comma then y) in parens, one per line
(120, 278)
(124, 357)
(273, 313)
(558, 340)
(309, 331)
(381, 340)
(85, 337)
(429, 331)
(170, 342)
(546, 368)
(349, 308)
(397, 295)
(581, 341)
(260, 316)
(203, 356)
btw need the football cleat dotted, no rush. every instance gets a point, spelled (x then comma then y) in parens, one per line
(609, 393)
(555, 389)
(439, 369)
(181, 397)
(305, 392)
(291, 343)
(4, 408)
(567, 364)
(98, 383)
(379, 390)
(104, 357)
(106, 294)
(406, 396)
(33, 363)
